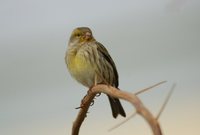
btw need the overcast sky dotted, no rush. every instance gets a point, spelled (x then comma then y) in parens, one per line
(150, 41)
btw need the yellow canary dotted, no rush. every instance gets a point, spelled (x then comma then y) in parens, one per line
(89, 63)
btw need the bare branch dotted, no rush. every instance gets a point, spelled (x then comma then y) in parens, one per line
(139, 92)
(166, 100)
(146, 89)
(124, 121)
(109, 90)
(82, 113)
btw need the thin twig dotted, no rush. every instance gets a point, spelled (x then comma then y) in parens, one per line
(132, 115)
(135, 101)
(146, 89)
(166, 100)
(122, 122)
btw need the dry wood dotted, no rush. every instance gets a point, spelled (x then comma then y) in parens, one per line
(112, 91)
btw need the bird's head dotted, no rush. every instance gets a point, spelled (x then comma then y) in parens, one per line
(81, 35)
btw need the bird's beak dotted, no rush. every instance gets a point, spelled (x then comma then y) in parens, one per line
(88, 35)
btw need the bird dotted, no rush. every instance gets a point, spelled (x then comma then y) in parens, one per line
(89, 62)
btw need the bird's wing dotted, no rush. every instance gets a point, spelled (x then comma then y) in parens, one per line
(104, 55)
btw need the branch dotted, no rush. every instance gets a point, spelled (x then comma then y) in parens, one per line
(148, 88)
(124, 121)
(141, 91)
(82, 113)
(109, 90)
(166, 100)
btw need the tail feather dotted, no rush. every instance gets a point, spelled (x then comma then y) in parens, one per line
(116, 107)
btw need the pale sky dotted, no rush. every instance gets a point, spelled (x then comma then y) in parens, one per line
(150, 41)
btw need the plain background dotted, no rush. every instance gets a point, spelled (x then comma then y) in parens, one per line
(149, 40)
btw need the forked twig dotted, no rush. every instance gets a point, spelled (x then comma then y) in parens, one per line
(161, 109)
(166, 100)
(124, 121)
(148, 88)
(132, 115)
(114, 92)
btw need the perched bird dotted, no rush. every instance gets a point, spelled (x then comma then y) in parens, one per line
(89, 63)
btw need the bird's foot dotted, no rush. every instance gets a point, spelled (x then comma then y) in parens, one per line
(83, 103)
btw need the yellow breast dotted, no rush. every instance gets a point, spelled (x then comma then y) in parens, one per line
(78, 64)
(81, 69)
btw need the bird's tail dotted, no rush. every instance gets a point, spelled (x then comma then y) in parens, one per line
(116, 107)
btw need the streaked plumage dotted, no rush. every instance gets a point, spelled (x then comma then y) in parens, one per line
(89, 62)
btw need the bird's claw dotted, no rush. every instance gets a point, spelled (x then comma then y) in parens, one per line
(98, 94)
(92, 103)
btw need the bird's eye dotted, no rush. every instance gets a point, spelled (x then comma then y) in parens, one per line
(78, 34)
